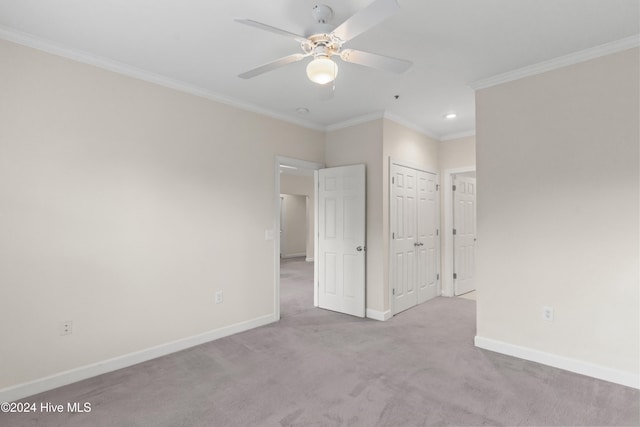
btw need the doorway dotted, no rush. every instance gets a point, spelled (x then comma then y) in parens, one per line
(338, 238)
(296, 223)
(459, 232)
(294, 235)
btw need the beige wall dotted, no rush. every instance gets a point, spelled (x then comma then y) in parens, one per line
(302, 185)
(362, 144)
(124, 207)
(457, 153)
(558, 187)
(414, 148)
(293, 225)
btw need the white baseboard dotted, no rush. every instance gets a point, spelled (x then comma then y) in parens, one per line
(294, 255)
(310, 259)
(19, 391)
(378, 315)
(568, 364)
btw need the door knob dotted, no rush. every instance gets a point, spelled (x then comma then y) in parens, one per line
(360, 248)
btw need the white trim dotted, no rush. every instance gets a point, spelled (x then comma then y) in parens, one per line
(354, 121)
(299, 255)
(316, 244)
(34, 42)
(410, 125)
(297, 163)
(378, 315)
(410, 165)
(60, 379)
(560, 62)
(447, 250)
(309, 259)
(458, 135)
(568, 364)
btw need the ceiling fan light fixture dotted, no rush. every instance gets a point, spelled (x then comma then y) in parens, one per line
(322, 70)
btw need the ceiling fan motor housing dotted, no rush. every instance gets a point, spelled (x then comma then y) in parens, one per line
(321, 44)
(322, 14)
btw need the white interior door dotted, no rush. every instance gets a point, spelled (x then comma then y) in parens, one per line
(404, 237)
(428, 240)
(414, 237)
(341, 239)
(464, 238)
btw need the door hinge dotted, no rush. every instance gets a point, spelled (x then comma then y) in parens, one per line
(455, 276)
(454, 188)
(454, 232)
(437, 187)
(437, 277)
(393, 235)
(437, 232)
(394, 291)
(393, 180)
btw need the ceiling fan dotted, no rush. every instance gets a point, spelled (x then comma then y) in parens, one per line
(325, 43)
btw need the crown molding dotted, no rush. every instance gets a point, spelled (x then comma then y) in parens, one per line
(458, 135)
(410, 125)
(560, 62)
(34, 42)
(29, 40)
(381, 115)
(354, 121)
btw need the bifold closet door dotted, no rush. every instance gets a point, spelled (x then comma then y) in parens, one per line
(414, 237)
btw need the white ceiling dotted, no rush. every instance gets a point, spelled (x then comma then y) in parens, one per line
(452, 43)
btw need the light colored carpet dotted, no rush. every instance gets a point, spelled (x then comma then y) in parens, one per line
(319, 368)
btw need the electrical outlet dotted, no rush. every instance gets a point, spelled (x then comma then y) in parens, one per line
(219, 297)
(547, 313)
(65, 327)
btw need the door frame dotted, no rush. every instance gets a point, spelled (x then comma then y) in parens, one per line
(301, 164)
(447, 229)
(421, 168)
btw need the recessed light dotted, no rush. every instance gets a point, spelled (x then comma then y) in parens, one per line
(302, 111)
(450, 116)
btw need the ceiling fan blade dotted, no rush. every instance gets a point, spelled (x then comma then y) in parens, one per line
(375, 61)
(366, 18)
(272, 65)
(260, 25)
